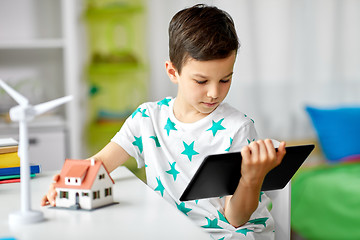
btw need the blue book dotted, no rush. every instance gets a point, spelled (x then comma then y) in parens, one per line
(34, 169)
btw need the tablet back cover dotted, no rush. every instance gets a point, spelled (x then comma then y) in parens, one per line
(219, 174)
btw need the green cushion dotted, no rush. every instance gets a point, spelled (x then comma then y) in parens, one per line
(326, 202)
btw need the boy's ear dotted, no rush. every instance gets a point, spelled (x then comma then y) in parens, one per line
(171, 71)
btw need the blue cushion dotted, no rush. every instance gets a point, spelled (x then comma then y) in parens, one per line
(338, 131)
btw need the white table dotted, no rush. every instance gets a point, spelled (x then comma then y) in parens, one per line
(140, 214)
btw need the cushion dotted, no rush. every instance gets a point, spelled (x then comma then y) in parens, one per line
(325, 202)
(338, 131)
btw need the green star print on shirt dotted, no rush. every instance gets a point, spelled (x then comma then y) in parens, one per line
(157, 143)
(169, 126)
(138, 110)
(222, 217)
(159, 187)
(143, 114)
(216, 126)
(138, 143)
(228, 149)
(182, 208)
(173, 171)
(211, 223)
(244, 231)
(165, 102)
(189, 150)
(261, 221)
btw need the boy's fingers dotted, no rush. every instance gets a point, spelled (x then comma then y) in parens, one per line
(262, 150)
(52, 198)
(281, 150)
(56, 177)
(270, 148)
(269, 144)
(51, 202)
(44, 201)
(245, 152)
(254, 149)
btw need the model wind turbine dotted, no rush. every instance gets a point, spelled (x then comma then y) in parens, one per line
(24, 113)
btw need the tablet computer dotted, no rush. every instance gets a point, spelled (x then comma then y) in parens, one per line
(219, 174)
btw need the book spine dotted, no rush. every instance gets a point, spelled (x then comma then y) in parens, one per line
(34, 169)
(10, 180)
(8, 149)
(9, 160)
(13, 177)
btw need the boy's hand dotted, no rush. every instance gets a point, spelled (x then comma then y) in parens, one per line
(50, 197)
(258, 159)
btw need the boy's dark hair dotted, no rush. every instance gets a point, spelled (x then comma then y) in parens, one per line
(203, 33)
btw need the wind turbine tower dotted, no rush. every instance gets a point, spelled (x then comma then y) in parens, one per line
(23, 113)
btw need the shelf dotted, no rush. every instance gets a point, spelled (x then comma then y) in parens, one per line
(40, 59)
(46, 123)
(32, 44)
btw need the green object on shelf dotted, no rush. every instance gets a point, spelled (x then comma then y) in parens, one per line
(93, 90)
(117, 72)
(115, 31)
(325, 202)
(115, 92)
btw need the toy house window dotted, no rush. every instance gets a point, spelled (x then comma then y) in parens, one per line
(72, 181)
(85, 194)
(96, 195)
(107, 192)
(101, 176)
(64, 194)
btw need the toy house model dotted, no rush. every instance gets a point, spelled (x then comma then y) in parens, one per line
(84, 184)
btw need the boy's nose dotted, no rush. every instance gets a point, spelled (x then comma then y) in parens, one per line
(213, 92)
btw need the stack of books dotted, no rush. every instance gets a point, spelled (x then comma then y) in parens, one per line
(10, 162)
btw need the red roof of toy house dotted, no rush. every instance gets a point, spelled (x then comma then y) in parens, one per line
(79, 168)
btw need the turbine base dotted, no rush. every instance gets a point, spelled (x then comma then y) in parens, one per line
(27, 217)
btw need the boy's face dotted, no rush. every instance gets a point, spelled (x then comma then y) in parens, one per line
(202, 86)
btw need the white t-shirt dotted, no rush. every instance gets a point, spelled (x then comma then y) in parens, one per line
(172, 151)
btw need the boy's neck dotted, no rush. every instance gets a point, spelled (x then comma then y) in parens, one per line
(186, 115)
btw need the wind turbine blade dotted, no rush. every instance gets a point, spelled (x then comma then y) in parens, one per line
(44, 107)
(20, 99)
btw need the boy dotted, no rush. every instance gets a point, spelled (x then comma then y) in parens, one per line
(171, 137)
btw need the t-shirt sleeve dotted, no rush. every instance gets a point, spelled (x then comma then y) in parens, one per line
(244, 136)
(130, 139)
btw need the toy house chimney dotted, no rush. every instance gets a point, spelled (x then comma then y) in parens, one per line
(92, 160)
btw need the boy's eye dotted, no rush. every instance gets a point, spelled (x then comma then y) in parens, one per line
(200, 82)
(225, 81)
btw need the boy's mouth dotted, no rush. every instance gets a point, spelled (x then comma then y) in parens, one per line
(210, 104)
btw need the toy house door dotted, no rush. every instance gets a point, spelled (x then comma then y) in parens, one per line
(77, 199)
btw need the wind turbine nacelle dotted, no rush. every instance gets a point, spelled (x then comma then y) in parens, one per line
(19, 113)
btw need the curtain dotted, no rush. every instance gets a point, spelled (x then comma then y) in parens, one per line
(293, 53)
